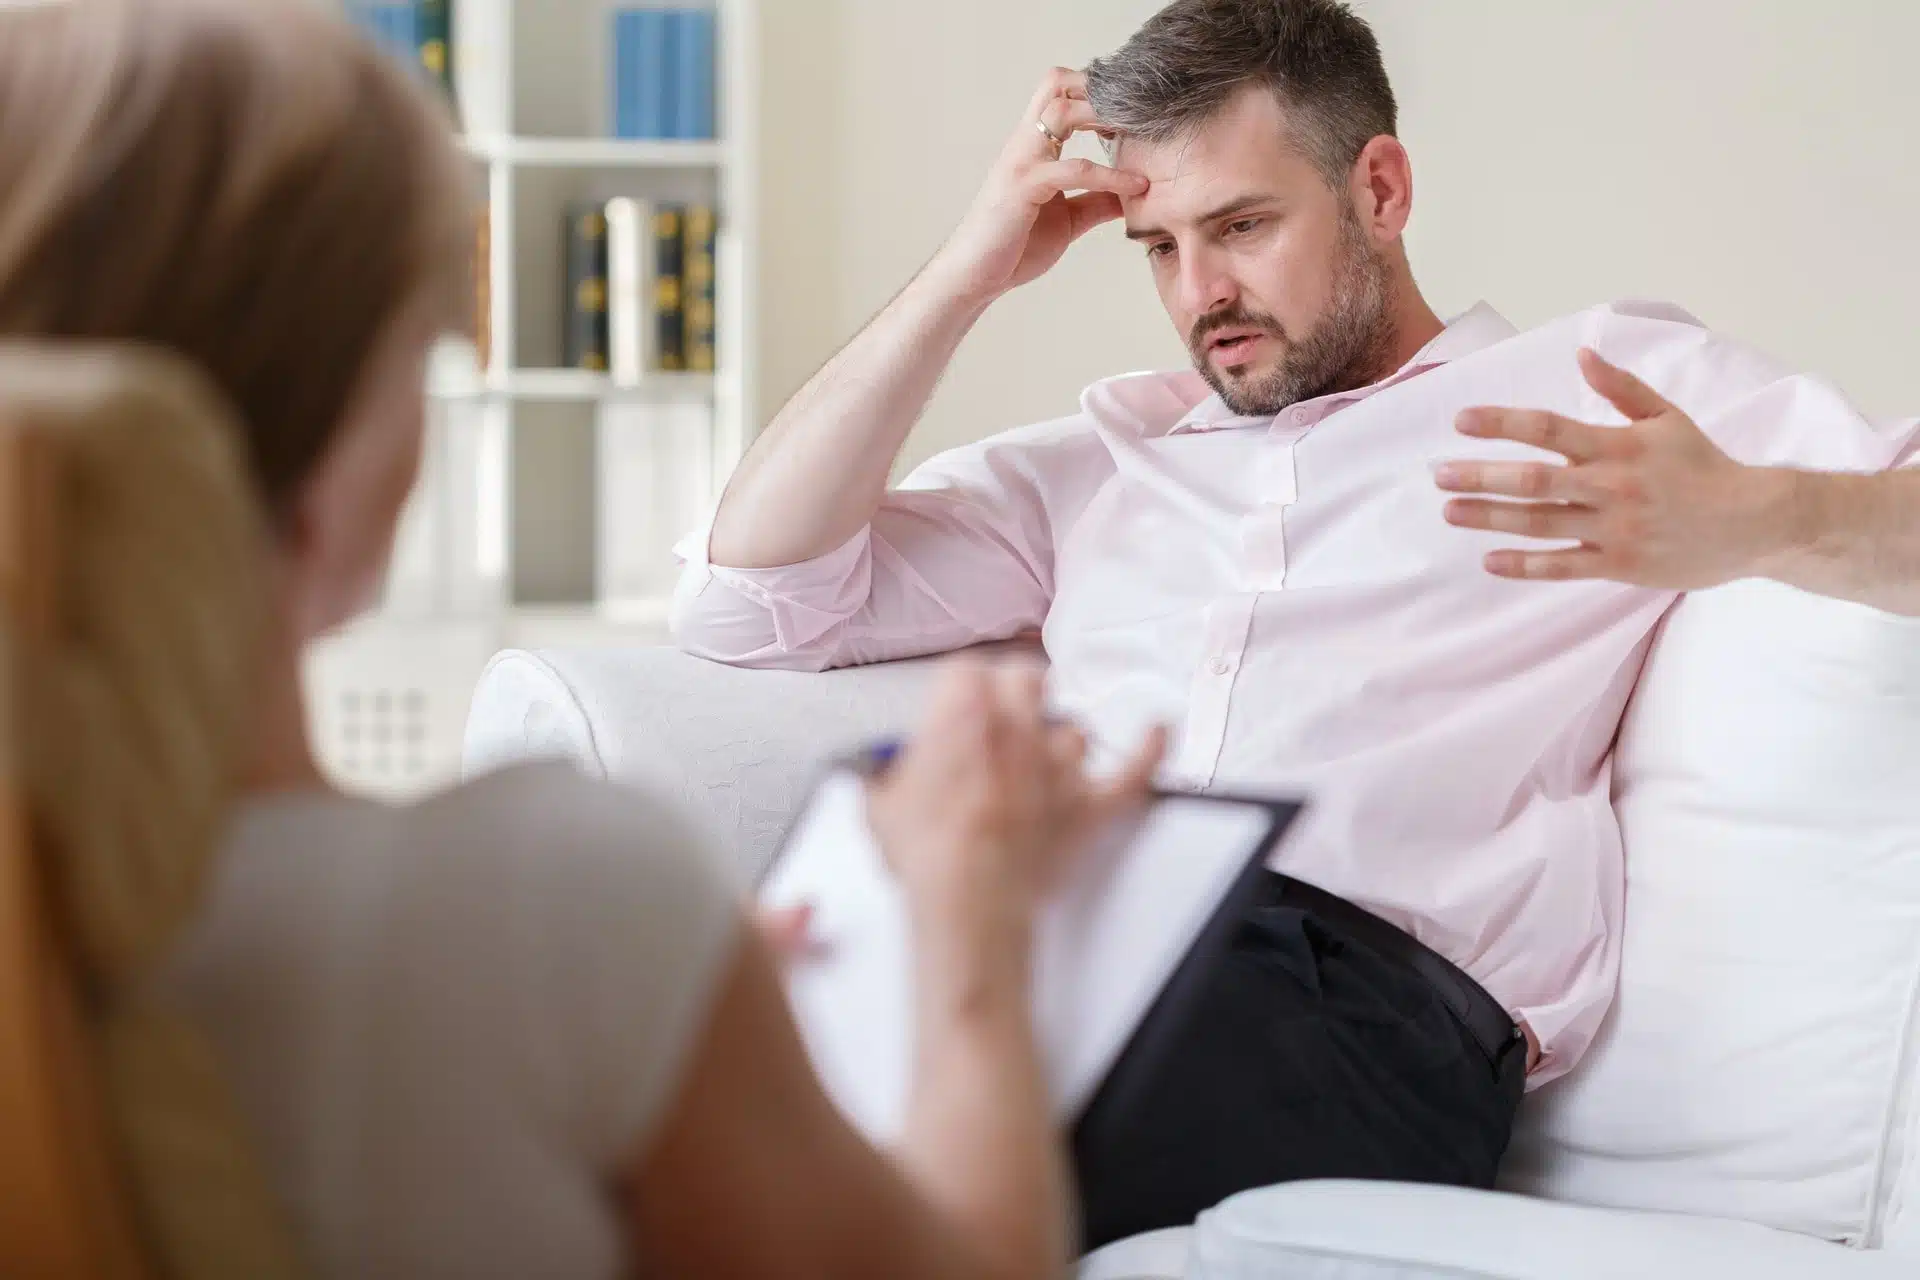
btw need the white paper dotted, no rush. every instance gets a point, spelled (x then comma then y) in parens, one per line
(1106, 946)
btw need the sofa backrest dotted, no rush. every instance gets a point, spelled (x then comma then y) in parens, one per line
(1763, 1058)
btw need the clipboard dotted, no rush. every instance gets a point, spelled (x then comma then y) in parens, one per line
(1143, 916)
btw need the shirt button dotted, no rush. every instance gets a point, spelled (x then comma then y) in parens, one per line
(1220, 666)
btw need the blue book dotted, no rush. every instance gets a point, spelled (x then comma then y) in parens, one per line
(620, 72)
(694, 53)
(652, 80)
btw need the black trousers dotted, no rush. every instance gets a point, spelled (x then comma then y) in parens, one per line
(1303, 1053)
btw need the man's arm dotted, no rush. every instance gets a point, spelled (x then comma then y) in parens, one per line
(1852, 536)
(1658, 504)
(818, 474)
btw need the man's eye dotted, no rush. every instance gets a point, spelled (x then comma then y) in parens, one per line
(1162, 250)
(1243, 227)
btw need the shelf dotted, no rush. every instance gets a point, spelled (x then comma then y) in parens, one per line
(571, 385)
(596, 153)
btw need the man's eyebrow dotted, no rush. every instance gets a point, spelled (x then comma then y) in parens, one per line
(1226, 210)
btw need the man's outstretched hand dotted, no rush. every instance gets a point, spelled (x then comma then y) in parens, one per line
(1024, 219)
(1654, 503)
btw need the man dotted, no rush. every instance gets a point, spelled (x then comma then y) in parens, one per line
(1657, 504)
(1253, 553)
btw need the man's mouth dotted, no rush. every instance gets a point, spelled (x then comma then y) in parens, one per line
(1231, 348)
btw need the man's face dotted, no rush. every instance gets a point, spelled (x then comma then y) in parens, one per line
(1265, 270)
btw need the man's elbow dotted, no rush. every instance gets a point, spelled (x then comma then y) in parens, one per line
(737, 634)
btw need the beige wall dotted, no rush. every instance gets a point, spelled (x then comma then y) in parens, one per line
(1749, 159)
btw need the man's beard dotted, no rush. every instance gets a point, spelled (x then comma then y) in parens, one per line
(1346, 350)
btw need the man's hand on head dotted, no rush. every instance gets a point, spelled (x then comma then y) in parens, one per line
(1654, 503)
(1035, 204)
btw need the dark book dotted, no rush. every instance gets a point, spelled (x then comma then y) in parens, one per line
(587, 341)
(669, 287)
(698, 289)
(433, 33)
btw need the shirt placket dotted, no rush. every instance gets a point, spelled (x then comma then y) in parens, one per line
(1229, 620)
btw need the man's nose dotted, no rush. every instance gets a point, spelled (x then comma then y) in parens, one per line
(1204, 286)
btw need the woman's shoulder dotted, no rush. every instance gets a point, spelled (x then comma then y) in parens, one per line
(539, 848)
(559, 939)
(554, 807)
(551, 821)
(548, 814)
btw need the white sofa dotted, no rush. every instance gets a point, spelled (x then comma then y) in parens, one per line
(1753, 1106)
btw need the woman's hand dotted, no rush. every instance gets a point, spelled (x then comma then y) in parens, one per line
(991, 801)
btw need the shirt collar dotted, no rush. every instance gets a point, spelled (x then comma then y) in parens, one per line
(1467, 334)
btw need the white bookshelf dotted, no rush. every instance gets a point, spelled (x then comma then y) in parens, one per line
(500, 545)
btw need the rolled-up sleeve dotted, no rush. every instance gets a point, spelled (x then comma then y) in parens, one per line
(961, 554)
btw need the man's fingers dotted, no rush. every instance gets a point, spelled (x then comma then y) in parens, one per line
(1049, 180)
(1621, 389)
(1557, 521)
(1535, 481)
(1061, 82)
(1092, 209)
(1065, 117)
(1575, 441)
(1574, 564)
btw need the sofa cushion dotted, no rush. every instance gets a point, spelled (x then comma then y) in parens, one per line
(1391, 1231)
(1760, 1060)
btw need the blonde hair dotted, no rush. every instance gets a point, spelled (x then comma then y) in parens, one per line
(244, 182)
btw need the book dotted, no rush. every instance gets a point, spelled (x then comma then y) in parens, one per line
(630, 292)
(586, 340)
(694, 50)
(642, 89)
(621, 74)
(669, 296)
(698, 287)
(433, 42)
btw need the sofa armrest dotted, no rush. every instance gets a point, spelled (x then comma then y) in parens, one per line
(736, 748)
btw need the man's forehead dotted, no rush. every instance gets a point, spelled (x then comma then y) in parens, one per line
(1189, 183)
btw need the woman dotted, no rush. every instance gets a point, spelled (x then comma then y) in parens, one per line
(517, 1030)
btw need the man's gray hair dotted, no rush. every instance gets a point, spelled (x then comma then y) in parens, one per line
(1318, 57)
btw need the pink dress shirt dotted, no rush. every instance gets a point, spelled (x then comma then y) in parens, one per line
(1284, 594)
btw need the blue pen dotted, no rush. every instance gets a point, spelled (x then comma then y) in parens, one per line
(876, 758)
(880, 755)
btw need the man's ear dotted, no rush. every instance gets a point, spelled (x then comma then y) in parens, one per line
(1382, 189)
